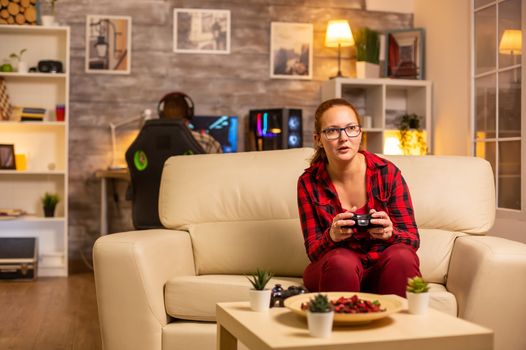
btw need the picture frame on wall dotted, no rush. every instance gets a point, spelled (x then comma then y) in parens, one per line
(405, 53)
(7, 157)
(201, 31)
(108, 44)
(291, 46)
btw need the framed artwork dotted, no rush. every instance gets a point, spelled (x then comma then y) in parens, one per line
(405, 54)
(201, 31)
(291, 50)
(108, 44)
(7, 157)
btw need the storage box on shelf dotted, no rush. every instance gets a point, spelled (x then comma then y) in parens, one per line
(385, 101)
(44, 143)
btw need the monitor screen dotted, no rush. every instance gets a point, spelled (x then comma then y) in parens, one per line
(222, 128)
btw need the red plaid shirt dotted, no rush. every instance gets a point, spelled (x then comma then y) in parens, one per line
(386, 190)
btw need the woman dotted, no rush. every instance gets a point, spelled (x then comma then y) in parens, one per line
(343, 181)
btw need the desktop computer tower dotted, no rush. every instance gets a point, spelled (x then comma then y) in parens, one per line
(277, 128)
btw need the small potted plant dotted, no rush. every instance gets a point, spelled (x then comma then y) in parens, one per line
(21, 65)
(49, 203)
(49, 20)
(259, 296)
(411, 135)
(367, 43)
(417, 293)
(320, 315)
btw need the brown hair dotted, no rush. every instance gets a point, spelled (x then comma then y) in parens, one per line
(319, 154)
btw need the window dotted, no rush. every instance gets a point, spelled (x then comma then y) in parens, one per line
(496, 94)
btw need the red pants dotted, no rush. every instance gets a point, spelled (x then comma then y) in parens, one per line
(340, 270)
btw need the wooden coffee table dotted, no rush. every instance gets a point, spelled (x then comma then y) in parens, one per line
(281, 329)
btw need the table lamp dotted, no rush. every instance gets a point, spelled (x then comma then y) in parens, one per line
(511, 44)
(145, 115)
(338, 35)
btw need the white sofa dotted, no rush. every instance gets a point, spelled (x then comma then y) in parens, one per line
(226, 215)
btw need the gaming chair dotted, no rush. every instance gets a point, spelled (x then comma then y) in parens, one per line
(158, 140)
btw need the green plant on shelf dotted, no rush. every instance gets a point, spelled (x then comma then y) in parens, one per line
(18, 56)
(367, 44)
(50, 200)
(52, 4)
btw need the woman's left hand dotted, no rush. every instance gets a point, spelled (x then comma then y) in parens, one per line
(385, 229)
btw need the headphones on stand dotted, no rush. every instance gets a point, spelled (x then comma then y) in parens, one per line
(176, 98)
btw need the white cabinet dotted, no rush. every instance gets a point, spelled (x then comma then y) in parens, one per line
(44, 143)
(385, 101)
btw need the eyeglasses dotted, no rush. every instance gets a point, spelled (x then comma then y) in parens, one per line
(335, 133)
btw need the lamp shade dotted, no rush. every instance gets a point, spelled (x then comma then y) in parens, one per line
(511, 42)
(338, 33)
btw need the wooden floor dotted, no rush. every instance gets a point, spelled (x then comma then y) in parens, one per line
(49, 314)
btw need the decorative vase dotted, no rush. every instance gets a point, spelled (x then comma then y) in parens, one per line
(320, 323)
(49, 212)
(48, 21)
(259, 299)
(366, 70)
(418, 303)
(22, 67)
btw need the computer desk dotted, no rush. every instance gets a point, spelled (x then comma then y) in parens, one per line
(104, 176)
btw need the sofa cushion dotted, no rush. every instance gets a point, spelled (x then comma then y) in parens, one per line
(245, 186)
(436, 183)
(195, 297)
(273, 245)
(435, 252)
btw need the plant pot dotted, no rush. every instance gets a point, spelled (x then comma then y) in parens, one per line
(48, 21)
(49, 212)
(418, 303)
(320, 323)
(366, 70)
(259, 299)
(22, 67)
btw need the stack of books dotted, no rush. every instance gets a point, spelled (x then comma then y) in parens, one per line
(30, 114)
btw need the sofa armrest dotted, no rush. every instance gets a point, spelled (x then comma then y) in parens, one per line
(488, 277)
(131, 269)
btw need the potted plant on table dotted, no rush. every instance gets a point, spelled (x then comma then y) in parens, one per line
(21, 65)
(49, 203)
(259, 296)
(367, 44)
(412, 139)
(417, 293)
(320, 315)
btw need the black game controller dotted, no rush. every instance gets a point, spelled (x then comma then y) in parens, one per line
(362, 221)
(278, 295)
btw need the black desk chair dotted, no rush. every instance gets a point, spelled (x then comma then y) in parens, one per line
(158, 140)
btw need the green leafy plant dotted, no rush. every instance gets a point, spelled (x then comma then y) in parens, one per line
(417, 285)
(410, 124)
(320, 303)
(367, 44)
(260, 279)
(52, 6)
(50, 200)
(18, 56)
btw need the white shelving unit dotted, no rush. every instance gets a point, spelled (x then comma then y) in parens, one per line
(385, 100)
(45, 144)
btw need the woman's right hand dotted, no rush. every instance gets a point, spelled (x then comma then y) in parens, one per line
(337, 231)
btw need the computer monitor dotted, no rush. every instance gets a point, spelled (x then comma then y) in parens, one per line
(222, 128)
